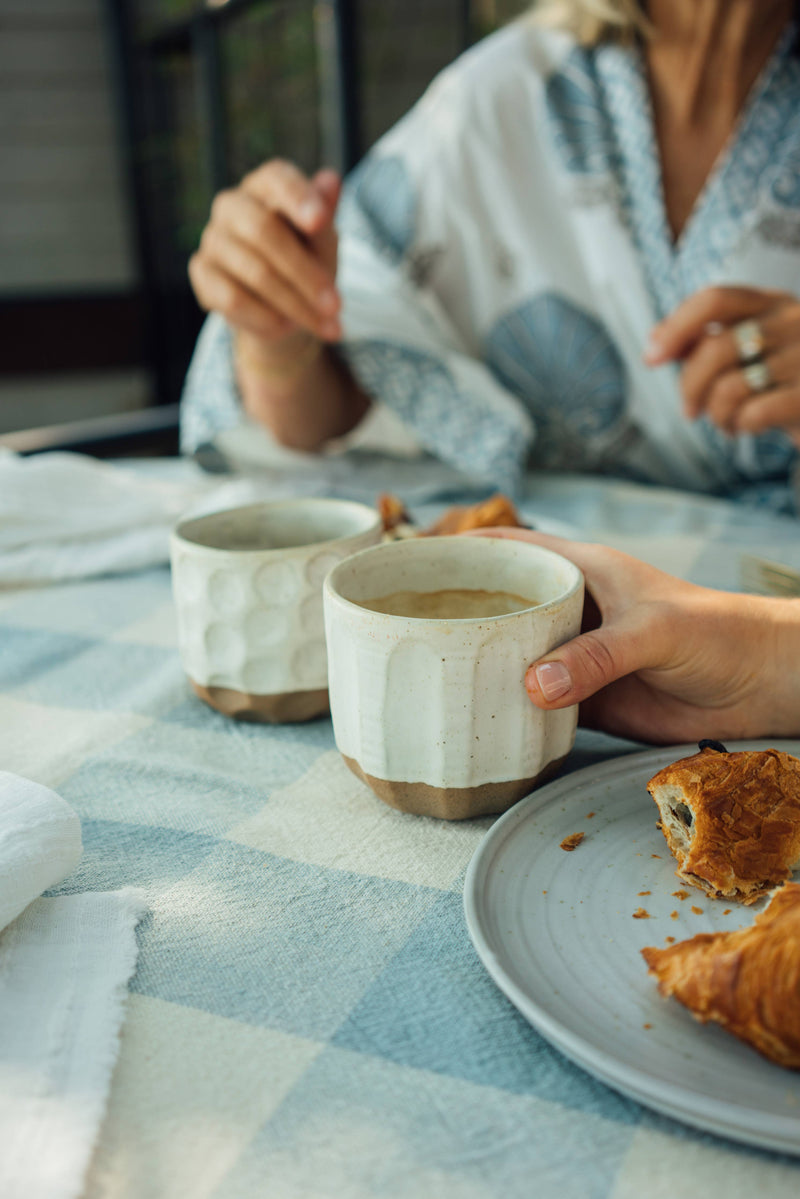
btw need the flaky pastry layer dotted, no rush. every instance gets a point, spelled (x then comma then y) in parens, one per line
(748, 981)
(732, 820)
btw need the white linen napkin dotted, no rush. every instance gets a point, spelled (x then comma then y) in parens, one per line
(64, 968)
(68, 516)
(40, 842)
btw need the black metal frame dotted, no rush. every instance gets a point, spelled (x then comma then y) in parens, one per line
(347, 77)
(120, 41)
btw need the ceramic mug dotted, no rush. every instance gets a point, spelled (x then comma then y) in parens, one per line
(248, 591)
(432, 712)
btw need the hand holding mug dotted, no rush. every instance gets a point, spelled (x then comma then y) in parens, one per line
(662, 660)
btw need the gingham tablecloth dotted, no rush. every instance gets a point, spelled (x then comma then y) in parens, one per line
(308, 1018)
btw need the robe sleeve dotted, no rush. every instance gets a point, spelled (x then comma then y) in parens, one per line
(404, 214)
(404, 218)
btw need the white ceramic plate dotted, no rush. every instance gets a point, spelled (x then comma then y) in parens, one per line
(556, 932)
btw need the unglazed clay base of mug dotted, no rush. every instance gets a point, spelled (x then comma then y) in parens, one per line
(290, 707)
(453, 803)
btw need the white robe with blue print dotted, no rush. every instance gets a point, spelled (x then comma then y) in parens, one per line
(505, 251)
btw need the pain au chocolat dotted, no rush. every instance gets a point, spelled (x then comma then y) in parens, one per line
(732, 820)
(748, 981)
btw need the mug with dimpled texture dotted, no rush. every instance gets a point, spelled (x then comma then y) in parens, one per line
(248, 592)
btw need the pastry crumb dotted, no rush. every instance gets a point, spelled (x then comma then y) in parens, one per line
(644, 892)
(641, 914)
(697, 911)
(572, 841)
(647, 1026)
(727, 912)
(670, 940)
(673, 915)
(655, 855)
(589, 815)
(681, 894)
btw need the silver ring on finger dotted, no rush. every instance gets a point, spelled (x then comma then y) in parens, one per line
(749, 338)
(758, 376)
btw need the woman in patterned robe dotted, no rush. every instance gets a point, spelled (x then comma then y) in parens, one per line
(580, 250)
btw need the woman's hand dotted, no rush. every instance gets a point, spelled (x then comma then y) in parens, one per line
(267, 262)
(665, 661)
(740, 349)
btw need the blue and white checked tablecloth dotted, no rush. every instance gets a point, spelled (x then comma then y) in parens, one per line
(308, 1018)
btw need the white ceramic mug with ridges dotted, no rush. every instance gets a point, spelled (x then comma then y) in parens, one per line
(248, 591)
(433, 714)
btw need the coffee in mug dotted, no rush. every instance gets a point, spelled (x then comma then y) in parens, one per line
(459, 603)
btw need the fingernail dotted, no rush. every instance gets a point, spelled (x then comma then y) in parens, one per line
(310, 210)
(328, 300)
(653, 351)
(554, 679)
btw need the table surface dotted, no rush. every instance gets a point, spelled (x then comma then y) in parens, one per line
(308, 1017)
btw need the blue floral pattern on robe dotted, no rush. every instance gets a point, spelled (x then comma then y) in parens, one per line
(379, 203)
(601, 124)
(579, 124)
(421, 389)
(562, 364)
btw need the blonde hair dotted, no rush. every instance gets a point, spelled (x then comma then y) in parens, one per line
(594, 21)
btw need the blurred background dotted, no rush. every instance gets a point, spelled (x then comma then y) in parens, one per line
(119, 120)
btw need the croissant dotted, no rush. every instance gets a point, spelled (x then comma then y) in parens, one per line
(496, 511)
(732, 820)
(489, 514)
(748, 981)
